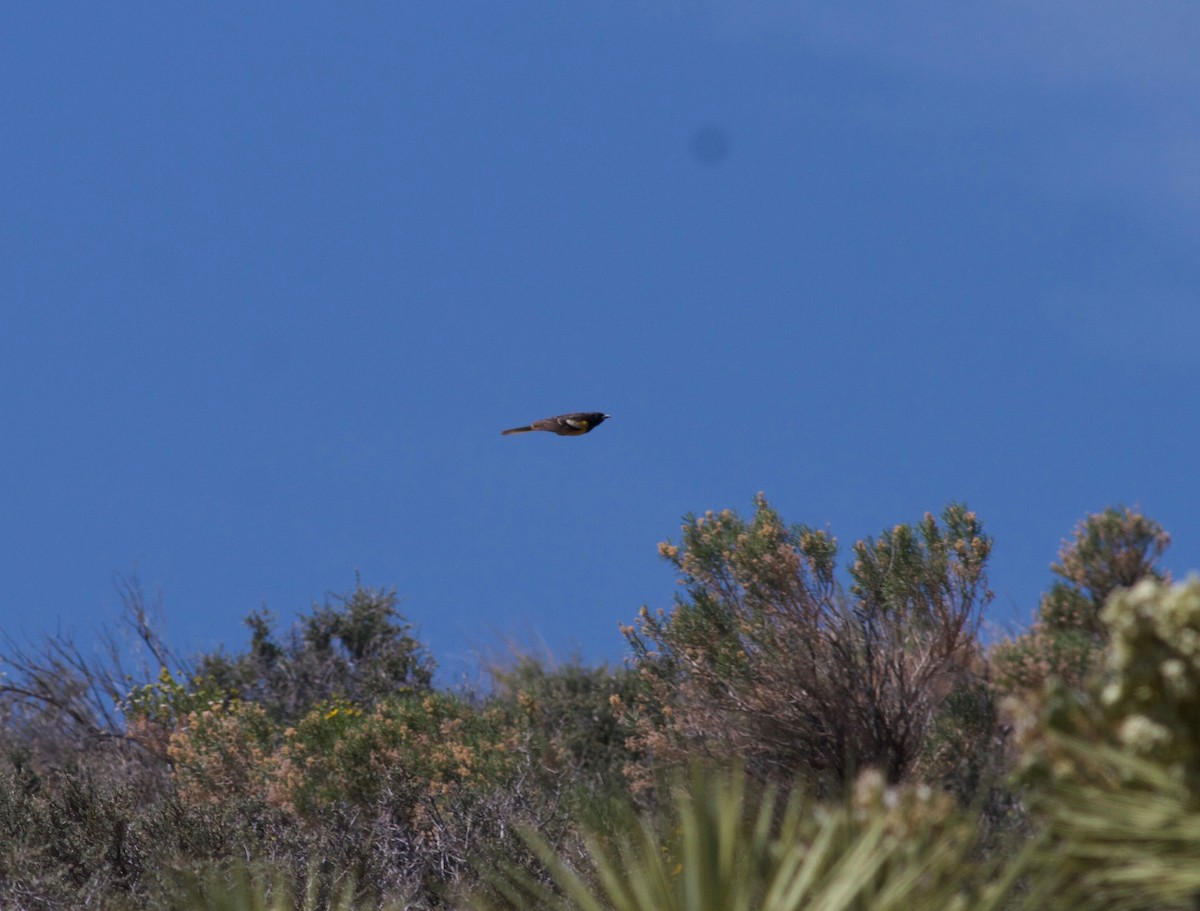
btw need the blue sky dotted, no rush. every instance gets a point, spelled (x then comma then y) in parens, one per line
(276, 275)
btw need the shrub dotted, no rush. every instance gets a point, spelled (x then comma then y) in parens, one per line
(412, 753)
(222, 752)
(1108, 551)
(413, 790)
(767, 658)
(60, 704)
(355, 648)
(578, 712)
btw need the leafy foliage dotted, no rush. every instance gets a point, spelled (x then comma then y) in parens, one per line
(1108, 551)
(578, 713)
(357, 649)
(767, 658)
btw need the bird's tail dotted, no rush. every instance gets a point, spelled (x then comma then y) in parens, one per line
(505, 433)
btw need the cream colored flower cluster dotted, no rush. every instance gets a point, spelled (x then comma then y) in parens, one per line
(1153, 661)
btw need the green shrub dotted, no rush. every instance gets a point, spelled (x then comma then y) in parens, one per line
(413, 752)
(767, 659)
(356, 648)
(1108, 551)
(578, 712)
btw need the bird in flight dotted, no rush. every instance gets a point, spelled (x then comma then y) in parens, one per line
(565, 425)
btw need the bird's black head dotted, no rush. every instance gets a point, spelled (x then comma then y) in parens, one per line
(596, 418)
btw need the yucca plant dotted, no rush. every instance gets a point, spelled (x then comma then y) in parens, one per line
(1114, 771)
(720, 848)
(1127, 838)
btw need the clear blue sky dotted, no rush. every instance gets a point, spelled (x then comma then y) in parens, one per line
(274, 277)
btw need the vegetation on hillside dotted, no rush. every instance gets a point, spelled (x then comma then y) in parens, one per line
(787, 735)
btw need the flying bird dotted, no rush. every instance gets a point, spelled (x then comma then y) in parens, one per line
(565, 425)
